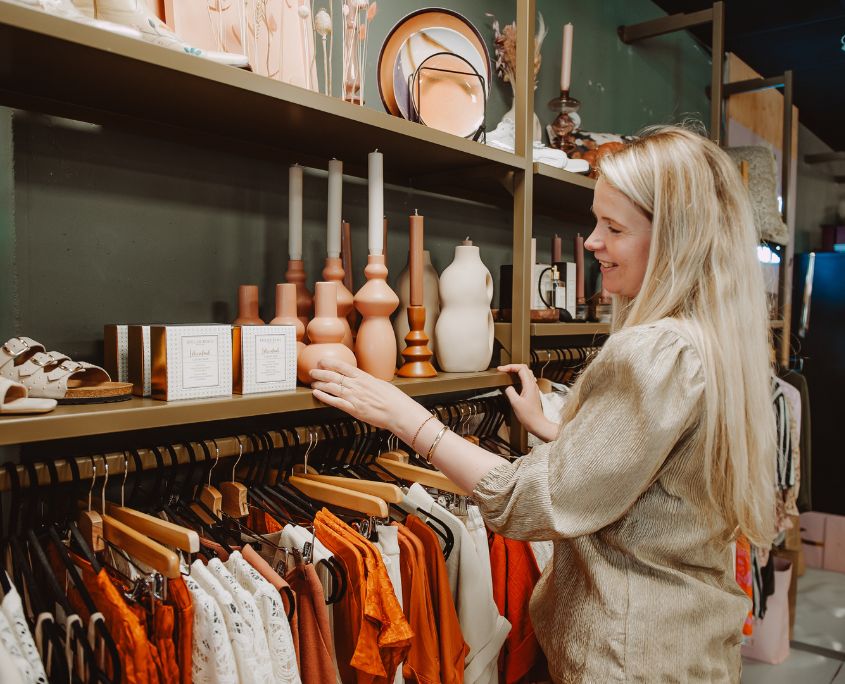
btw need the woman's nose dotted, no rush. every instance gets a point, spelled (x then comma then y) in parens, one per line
(594, 242)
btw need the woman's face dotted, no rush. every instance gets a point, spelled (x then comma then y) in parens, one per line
(620, 241)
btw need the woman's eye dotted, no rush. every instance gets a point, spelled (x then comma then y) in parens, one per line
(613, 230)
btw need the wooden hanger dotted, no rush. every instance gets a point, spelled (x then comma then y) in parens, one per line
(423, 476)
(143, 548)
(389, 493)
(162, 531)
(235, 495)
(90, 522)
(340, 496)
(210, 495)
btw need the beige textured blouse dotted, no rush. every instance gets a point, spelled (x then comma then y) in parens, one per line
(642, 586)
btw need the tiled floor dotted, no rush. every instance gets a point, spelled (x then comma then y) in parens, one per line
(820, 624)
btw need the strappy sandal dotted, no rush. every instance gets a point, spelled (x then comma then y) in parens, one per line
(14, 398)
(53, 375)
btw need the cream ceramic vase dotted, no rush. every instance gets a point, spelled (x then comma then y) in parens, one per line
(431, 302)
(463, 336)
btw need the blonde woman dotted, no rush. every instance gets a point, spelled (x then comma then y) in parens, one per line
(665, 450)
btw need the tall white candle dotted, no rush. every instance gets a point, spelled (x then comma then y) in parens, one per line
(566, 59)
(335, 204)
(376, 204)
(295, 212)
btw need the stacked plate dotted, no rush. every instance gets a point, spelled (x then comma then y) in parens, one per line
(434, 68)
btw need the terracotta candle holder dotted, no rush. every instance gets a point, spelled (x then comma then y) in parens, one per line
(248, 306)
(304, 299)
(333, 272)
(325, 332)
(417, 355)
(375, 345)
(286, 312)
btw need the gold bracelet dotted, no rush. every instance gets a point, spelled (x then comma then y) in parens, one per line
(435, 443)
(417, 433)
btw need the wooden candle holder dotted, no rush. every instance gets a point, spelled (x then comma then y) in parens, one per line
(417, 355)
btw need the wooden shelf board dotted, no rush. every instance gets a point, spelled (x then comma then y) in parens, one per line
(141, 414)
(66, 68)
(563, 329)
(562, 193)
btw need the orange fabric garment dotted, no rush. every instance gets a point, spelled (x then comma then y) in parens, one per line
(453, 648)
(745, 578)
(287, 594)
(130, 637)
(179, 597)
(159, 627)
(354, 651)
(515, 574)
(384, 635)
(317, 656)
(423, 662)
(262, 522)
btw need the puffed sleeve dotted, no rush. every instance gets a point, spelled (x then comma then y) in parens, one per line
(638, 399)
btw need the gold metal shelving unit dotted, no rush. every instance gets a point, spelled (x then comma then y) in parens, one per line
(64, 68)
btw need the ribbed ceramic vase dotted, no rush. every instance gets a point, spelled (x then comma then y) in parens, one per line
(375, 346)
(286, 313)
(463, 336)
(248, 306)
(333, 272)
(431, 302)
(325, 332)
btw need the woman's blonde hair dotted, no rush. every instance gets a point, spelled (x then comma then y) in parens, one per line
(703, 271)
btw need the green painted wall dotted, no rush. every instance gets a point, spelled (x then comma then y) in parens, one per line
(112, 226)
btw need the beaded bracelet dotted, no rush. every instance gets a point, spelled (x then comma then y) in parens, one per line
(435, 443)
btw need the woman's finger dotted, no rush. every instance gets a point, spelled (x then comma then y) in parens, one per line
(341, 367)
(325, 375)
(526, 377)
(332, 388)
(511, 368)
(333, 401)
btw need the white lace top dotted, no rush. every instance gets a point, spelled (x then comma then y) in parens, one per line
(213, 660)
(12, 609)
(253, 624)
(10, 644)
(272, 611)
(239, 634)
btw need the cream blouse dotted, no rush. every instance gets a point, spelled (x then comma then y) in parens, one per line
(641, 587)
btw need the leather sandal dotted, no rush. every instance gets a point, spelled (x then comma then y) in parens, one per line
(14, 398)
(53, 375)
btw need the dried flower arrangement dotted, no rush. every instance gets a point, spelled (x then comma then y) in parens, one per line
(505, 42)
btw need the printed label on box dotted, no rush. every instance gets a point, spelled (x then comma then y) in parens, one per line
(200, 361)
(270, 359)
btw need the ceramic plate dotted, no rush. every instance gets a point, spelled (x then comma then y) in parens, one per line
(421, 46)
(448, 96)
(422, 20)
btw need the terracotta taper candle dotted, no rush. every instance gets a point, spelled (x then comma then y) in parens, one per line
(333, 272)
(248, 306)
(304, 299)
(286, 312)
(325, 332)
(417, 354)
(557, 249)
(375, 345)
(579, 269)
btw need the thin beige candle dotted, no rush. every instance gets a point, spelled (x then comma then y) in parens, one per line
(416, 259)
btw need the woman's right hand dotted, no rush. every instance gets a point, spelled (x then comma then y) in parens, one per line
(527, 405)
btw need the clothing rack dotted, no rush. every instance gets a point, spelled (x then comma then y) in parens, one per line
(561, 363)
(89, 467)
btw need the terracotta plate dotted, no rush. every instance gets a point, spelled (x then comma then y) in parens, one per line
(424, 20)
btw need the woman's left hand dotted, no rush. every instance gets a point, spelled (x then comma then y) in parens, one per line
(362, 396)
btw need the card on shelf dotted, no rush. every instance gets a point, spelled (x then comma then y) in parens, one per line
(263, 358)
(140, 360)
(115, 351)
(191, 361)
